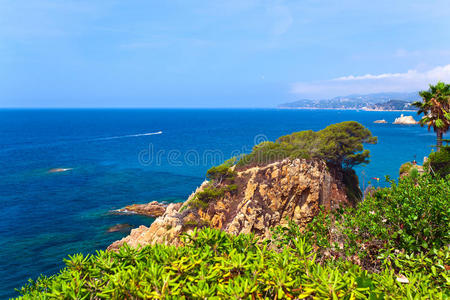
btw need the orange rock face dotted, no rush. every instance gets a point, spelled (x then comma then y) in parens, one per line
(266, 196)
(152, 209)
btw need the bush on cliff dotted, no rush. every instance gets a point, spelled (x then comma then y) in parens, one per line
(208, 194)
(339, 144)
(351, 183)
(404, 168)
(222, 172)
(440, 161)
(221, 181)
(374, 252)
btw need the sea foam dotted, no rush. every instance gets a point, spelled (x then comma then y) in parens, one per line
(127, 136)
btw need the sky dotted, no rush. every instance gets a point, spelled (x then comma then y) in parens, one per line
(231, 53)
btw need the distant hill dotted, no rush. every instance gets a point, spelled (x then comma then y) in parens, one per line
(378, 101)
(393, 105)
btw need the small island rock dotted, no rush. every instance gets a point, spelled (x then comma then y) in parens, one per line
(405, 120)
(383, 121)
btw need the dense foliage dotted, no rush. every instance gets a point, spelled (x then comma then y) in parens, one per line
(439, 162)
(222, 172)
(435, 107)
(411, 215)
(339, 144)
(351, 183)
(395, 245)
(405, 168)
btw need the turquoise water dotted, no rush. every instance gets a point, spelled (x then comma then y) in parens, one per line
(119, 157)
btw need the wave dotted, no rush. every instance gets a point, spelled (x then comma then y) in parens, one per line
(122, 211)
(127, 136)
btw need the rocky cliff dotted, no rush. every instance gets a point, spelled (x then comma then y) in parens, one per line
(261, 197)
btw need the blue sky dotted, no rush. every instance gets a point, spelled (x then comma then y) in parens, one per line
(243, 53)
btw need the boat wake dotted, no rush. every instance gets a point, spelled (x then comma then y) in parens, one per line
(127, 136)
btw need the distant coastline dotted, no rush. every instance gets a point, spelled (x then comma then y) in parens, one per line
(354, 109)
(368, 102)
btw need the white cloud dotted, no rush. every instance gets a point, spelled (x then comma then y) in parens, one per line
(409, 81)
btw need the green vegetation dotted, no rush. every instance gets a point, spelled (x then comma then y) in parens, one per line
(208, 194)
(351, 183)
(341, 145)
(394, 245)
(404, 168)
(435, 106)
(410, 216)
(221, 181)
(439, 162)
(222, 172)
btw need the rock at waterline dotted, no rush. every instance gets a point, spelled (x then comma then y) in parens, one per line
(58, 170)
(120, 228)
(405, 120)
(152, 209)
(383, 121)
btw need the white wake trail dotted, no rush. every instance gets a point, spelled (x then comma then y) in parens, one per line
(127, 136)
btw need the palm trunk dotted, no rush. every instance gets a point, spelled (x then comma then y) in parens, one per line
(439, 135)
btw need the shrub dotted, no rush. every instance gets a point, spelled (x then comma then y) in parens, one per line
(413, 173)
(404, 168)
(213, 264)
(408, 216)
(351, 183)
(210, 193)
(440, 161)
(222, 172)
(265, 153)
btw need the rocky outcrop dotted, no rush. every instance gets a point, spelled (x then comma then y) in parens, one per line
(164, 230)
(119, 228)
(405, 120)
(383, 121)
(266, 196)
(152, 209)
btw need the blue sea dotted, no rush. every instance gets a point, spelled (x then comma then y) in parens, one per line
(116, 157)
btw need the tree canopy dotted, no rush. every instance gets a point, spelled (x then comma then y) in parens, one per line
(435, 106)
(342, 143)
(339, 144)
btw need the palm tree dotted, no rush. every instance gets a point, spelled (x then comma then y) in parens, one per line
(435, 106)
